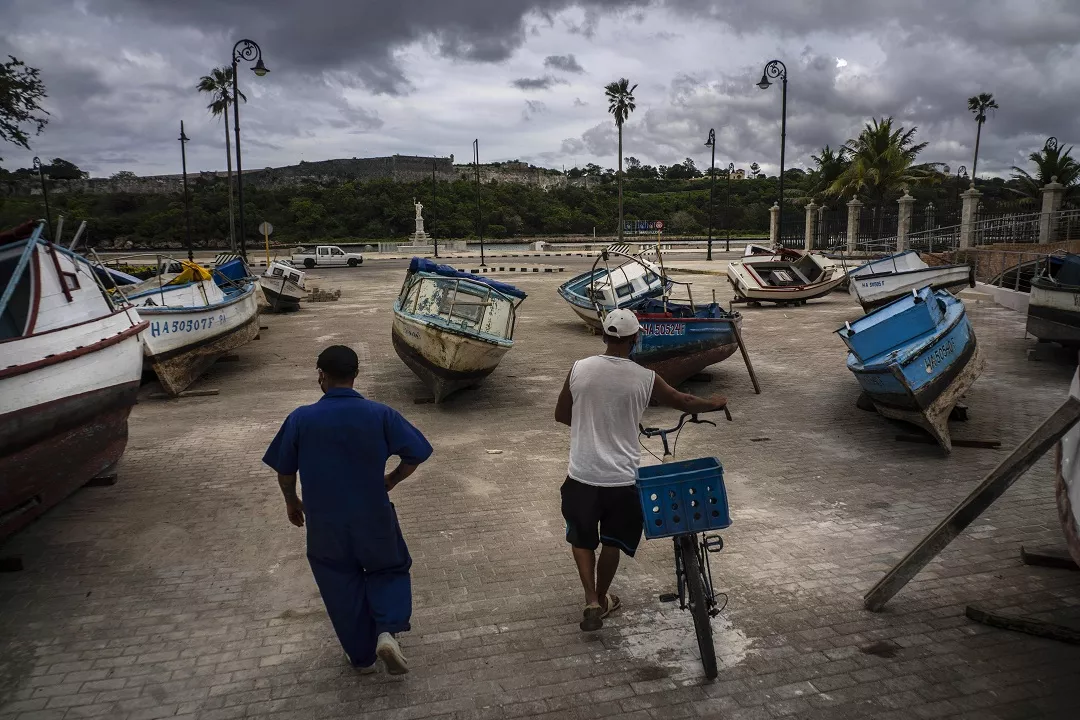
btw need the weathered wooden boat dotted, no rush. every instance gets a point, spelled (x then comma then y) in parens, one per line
(1068, 481)
(451, 327)
(768, 279)
(679, 340)
(617, 280)
(915, 358)
(70, 369)
(881, 281)
(283, 286)
(195, 317)
(781, 253)
(1054, 306)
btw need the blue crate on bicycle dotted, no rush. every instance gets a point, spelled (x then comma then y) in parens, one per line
(686, 496)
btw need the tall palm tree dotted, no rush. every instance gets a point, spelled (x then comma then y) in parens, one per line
(620, 98)
(1050, 162)
(219, 86)
(829, 164)
(979, 104)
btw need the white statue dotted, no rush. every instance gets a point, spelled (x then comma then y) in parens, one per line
(419, 209)
(419, 234)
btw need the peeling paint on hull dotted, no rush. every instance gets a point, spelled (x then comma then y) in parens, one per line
(444, 361)
(180, 368)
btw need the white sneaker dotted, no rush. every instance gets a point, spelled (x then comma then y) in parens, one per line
(390, 652)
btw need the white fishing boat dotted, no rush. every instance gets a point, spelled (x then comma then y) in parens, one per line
(617, 280)
(452, 328)
(1068, 481)
(881, 281)
(1054, 307)
(70, 370)
(195, 317)
(774, 279)
(283, 286)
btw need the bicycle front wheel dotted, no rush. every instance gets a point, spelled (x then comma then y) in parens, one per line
(699, 605)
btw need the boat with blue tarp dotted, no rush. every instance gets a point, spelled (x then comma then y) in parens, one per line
(452, 328)
(915, 358)
(678, 340)
(1054, 307)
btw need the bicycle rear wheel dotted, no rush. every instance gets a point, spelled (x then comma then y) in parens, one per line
(699, 606)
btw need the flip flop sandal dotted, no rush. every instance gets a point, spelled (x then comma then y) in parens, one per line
(592, 618)
(613, 604)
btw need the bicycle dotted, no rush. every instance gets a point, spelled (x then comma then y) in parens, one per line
(683, 500)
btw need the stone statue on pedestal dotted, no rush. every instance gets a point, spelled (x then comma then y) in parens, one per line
(419, 234)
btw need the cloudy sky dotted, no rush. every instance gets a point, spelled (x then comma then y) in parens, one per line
(358, 78)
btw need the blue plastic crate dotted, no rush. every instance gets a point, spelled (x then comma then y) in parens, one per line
(683, 497)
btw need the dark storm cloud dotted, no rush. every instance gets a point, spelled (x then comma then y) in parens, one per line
(565, 63)
(541, 83)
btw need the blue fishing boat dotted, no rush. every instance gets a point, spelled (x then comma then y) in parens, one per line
(915, 358)
(679, 340)
(597, 292)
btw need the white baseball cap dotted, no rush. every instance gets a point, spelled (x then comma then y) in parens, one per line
(621, 323)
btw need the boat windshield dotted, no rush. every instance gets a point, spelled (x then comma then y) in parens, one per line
(14, 321)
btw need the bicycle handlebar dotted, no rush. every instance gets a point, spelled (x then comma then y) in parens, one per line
(693, 418)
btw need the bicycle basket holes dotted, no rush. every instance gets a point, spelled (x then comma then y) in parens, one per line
(689, 484)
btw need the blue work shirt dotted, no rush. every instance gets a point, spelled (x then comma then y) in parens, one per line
(340, 446)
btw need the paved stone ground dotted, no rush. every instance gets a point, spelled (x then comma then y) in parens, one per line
(182, 591)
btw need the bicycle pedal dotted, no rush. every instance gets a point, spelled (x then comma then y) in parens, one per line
(713, 543)
(669, 597)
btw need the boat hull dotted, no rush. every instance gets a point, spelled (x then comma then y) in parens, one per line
(1067, 483)
(1054, 314)
(679, 348)
(875, 291)
(183, 342)
(281, 295)
(445, 361)
(749, 286)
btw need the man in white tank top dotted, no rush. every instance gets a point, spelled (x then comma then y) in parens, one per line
(602, 401)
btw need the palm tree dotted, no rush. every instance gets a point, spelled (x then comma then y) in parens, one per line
(219, 85)
(1050, 162)
(620, 104)
(754, 169)
(829, 165)
(979, 104)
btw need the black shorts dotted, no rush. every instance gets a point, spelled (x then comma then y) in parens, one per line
(608, 515)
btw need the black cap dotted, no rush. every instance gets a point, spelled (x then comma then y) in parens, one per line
(339, 362)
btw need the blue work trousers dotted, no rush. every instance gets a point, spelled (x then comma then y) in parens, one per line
(362, 570)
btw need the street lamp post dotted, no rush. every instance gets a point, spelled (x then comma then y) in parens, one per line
(248, 51)
(433, 238)
(479, 216)
(727, 199)
(961, 172)
(187, 198)
(711, 142)
(44, 194)
(776, 69)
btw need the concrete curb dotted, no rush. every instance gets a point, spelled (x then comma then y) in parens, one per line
(489, 269)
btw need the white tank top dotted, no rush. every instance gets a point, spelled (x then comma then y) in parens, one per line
(610, 395)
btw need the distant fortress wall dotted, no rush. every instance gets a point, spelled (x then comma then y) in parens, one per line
(399, 168)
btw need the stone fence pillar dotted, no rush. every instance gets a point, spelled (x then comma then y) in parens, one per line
(1052, 194)
(811, 209)
(967, 215)
(854, 207)
(903, 223)
(774, 225)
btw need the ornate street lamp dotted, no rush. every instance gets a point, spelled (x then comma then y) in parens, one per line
(711, 142)
(961, 172)
(775, 69)
(727, 199)
(187, 198)
(44, 194)
(246, 50)
(1051, 144)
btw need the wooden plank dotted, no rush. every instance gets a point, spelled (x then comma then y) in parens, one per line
(983, 496)
(185, 394)
(927, 440)
(1027, 625)
(1048, 557)
(746, 357)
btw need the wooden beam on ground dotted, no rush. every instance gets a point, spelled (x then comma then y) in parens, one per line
(927, 440)
(185, 394)
(1030, 626)
(983, 496)
(746, 357)
(1048, 557)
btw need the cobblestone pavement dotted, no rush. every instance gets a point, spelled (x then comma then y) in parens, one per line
(182, 591)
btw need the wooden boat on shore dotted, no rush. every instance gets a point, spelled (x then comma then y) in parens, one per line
(283, 286)
(915, 358)
(617, 280)
(881, 281)
(1067, 482)
(781, 253)
(679, 340)
(1054, 306)
(72, 360)
(195, 317)
(452, 328)
(773, 279)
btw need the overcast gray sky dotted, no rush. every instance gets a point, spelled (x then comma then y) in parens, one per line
(357, 78)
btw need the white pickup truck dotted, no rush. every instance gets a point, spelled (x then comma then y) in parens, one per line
(325, 256)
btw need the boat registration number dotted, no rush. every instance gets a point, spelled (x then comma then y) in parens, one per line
(168, 327)
(664, 329)
(873, 283)
(939, 355)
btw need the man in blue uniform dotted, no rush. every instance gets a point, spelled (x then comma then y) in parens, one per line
(340, 446)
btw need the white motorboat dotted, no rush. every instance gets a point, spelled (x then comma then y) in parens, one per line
(774, 279)
(283, 286)
(70, 370)
(880, 282)
(623, 281)
(1054, 307)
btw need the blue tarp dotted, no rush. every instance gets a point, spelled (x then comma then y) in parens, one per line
(418, 264)
(1069, 273)
(233, 270)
